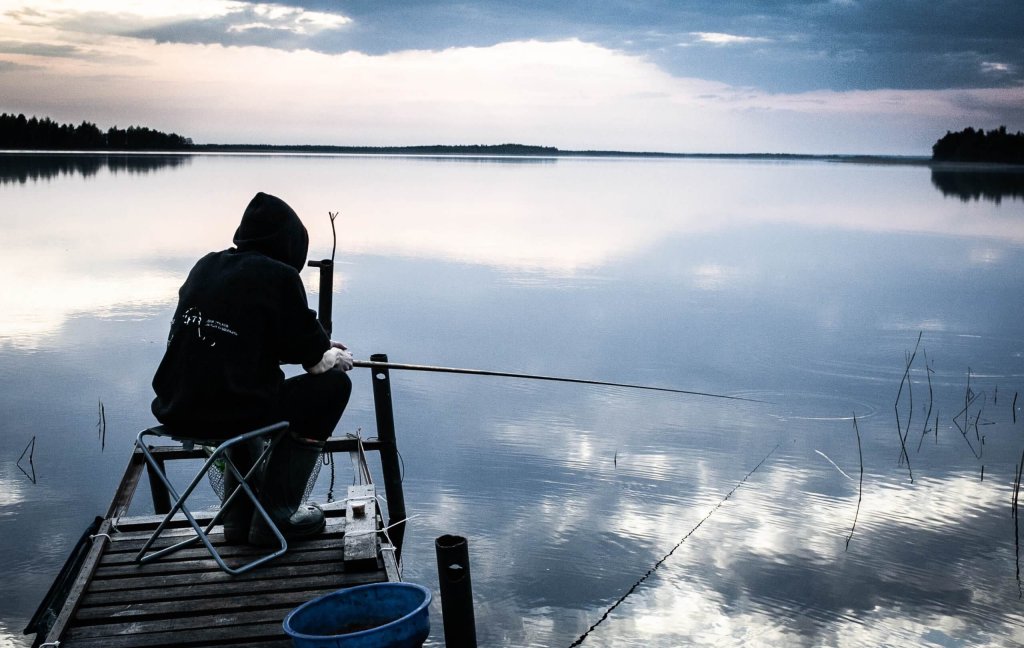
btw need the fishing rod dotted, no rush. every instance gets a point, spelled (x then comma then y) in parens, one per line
(376, 364)
(326, 267)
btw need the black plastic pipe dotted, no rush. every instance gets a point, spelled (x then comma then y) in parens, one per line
(456, 591)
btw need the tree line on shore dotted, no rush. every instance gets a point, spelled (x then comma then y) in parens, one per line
(970, 145)
(43, 134)
(20, 133)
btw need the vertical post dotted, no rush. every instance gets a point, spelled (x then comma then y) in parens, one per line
(456, 591)
(161, 498)
(390, 463)
(325, 305)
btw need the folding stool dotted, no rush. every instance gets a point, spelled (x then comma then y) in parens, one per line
(270, 434)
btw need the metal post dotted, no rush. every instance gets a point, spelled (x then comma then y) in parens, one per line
(456, 591)
(326, 292)
(389, 460)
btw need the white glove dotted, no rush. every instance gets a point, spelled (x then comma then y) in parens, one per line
(340, 358)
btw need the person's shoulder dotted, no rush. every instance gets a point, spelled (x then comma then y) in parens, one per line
(262, 264)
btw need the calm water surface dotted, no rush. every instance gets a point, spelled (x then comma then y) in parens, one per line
(804, 284)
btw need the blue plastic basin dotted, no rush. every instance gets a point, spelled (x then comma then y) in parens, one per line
(380, 615)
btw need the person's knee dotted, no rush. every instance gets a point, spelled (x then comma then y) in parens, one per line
(334, 387)
(340, 383)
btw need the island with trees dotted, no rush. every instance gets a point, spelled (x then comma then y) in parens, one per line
(970, 145)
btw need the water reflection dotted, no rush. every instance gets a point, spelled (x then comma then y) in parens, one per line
(25, 167)
(980, 185)
(792, 283)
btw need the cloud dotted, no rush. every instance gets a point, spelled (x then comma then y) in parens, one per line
(224, 71)
(715, 38)
(39, 49)
(189, 21)
(991, 67)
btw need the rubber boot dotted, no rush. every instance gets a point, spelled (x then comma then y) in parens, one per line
(238, 518)
(284, 486)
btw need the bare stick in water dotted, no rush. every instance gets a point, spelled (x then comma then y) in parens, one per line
(860, 490)
(1016, 523)
(931, 400)
(30, 449)
(1014, 407)
(899, 431)
(101, 427)
(966, 426)
(650, 571)
(334, 235)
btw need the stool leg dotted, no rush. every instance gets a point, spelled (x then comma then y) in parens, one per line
(237, 509)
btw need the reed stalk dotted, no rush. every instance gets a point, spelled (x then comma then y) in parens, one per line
(101, 427)
(931, 400)
(30, 450)
(860, 489)
(899, 430)
(1016, 523)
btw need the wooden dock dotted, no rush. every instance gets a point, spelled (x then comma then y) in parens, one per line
(102, 597)
(185, 599)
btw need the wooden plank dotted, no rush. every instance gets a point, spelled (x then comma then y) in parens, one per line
(126, 489)
(182, 639)
(348, 444)
(137, 526)
(121, 500)
(387, 554)
(272, 571)
(361, 525)
(199, 560)
(192, 623)
(231, 588)
(334, 444)
(163, 609)
(123, 552)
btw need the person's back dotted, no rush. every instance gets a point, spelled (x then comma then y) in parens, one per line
(242, 313)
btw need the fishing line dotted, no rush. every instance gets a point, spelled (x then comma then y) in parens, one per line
(650, 571)
(833, 463)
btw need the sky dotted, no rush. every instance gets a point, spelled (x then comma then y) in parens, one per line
(731, 76)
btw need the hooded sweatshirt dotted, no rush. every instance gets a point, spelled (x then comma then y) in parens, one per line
(241, 313)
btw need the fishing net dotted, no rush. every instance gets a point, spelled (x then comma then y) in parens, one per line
(216, 476)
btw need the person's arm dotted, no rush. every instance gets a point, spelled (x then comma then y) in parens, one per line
(301, 338)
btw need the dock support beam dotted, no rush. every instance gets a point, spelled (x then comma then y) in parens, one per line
(161, 498)
(456, 591)
(389, 460)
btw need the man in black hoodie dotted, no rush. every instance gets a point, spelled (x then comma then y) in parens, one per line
(242, 313)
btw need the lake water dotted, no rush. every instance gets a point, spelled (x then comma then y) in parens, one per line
(805, 284)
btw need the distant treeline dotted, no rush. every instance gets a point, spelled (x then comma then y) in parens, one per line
(20, 133)
(971, 145)
(436, 149)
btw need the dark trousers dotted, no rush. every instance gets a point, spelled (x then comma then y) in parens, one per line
(313, 403)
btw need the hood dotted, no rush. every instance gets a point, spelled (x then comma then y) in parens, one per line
(271, 227)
